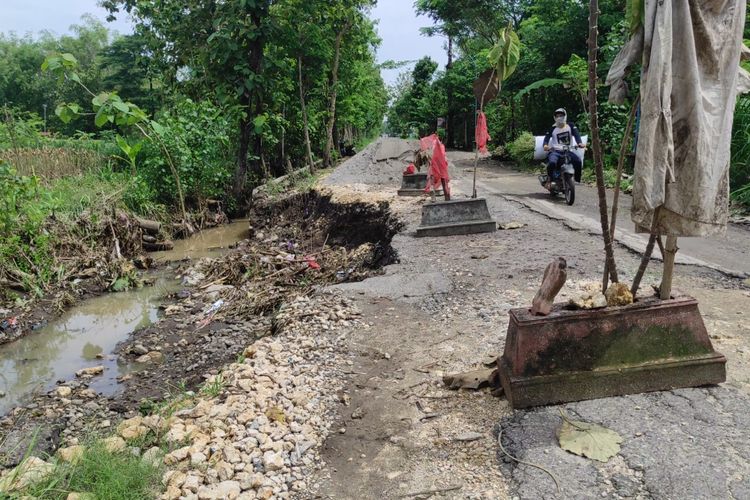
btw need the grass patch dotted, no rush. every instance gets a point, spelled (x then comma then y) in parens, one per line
(102, 474)
(213, 386)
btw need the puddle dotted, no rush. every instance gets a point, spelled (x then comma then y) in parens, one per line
(207, 243)
(35, 362)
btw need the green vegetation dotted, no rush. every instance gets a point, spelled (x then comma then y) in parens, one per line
(192, 108)
(740, 163)
(521, 149)
(102, 473)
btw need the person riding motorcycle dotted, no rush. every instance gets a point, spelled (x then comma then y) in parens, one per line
(561, 134)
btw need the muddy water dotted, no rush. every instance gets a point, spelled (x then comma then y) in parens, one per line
(82, 337)
(87, 334)
(208, 243)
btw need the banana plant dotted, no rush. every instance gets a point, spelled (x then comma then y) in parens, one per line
(504, 56)
(130, 150)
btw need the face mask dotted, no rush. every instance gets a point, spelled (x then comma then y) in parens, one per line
(559, 120)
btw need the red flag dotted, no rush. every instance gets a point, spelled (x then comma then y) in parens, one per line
(438, 168)
(428, 143)
(482, 136)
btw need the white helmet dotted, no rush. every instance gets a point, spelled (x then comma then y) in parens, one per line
(559, 111)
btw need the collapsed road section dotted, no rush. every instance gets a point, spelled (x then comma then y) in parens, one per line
(245, 333)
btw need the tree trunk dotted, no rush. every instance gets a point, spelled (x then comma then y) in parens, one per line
(252, 102)
(303, 106)
(336, 136)
(450, 137)
(240, 173)
(283, 140)
(328, 153)
(596, 141)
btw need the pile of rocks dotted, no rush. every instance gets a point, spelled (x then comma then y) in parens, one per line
(260, 437)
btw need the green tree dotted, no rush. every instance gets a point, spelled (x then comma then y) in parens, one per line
(218, 45)
(128, 69)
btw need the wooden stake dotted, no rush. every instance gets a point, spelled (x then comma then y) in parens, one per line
(644, 264)
(620, 165)
(476, 146)
(670, 251)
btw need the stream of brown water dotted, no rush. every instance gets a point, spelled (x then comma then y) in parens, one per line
(87, 334)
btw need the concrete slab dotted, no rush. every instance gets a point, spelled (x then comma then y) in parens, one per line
(651, 345)
(457, 228)
(393, 148)
(447, 218)
(415, 184)
(400, 286)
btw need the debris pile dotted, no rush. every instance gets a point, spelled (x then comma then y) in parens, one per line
(284, 258)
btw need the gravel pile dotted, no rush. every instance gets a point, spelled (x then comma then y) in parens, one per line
(364, 167)
(260, 437)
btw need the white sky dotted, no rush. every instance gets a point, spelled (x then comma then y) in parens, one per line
(32, 16)
(398, 26)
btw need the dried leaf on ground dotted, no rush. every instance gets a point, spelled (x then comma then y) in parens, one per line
(588, 440)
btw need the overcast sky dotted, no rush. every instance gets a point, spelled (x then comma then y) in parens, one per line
(398, 26)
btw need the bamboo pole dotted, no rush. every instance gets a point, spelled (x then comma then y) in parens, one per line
(644, 264)
(618, 182)
(596, 141)
(476, 146)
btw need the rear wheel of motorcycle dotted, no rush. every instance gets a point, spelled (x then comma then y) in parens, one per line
(570, 189)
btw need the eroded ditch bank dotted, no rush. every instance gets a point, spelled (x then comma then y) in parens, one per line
(226, 303)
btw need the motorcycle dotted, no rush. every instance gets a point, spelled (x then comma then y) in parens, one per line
(563, 177)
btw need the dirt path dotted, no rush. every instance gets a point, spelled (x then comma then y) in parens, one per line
(443, 309)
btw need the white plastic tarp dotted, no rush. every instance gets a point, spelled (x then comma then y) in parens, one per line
(690, 51)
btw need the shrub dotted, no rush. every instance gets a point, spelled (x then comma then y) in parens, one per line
(24, 247)
(500, 153)
(521, 149)
(199, 137)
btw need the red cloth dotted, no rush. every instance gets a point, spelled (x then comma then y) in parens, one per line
(428, 143)
(410, 169)
(482, 136)
(438, 168)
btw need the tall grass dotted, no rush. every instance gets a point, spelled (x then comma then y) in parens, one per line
(739, 173)
(50, 163)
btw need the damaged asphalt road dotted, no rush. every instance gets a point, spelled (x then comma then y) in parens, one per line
(686, 443)
(443, 308)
